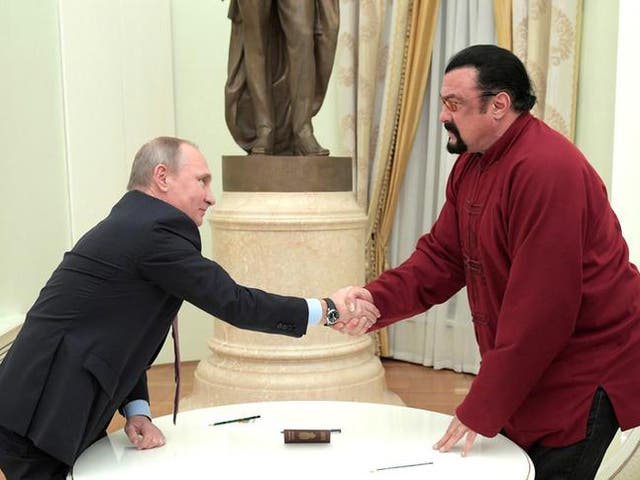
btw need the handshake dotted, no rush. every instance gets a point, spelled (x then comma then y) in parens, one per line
(356, 311)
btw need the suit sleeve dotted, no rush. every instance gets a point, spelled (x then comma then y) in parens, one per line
(140, 391)
(173, 261)
(430, 276)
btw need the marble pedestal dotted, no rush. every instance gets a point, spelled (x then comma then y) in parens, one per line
(289, 225)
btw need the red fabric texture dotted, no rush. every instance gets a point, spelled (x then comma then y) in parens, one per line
(528, 229)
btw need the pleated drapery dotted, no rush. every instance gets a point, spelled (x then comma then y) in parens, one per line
(546, 37)
(502, 16)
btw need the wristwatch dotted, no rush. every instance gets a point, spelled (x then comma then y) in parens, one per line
(332, 315)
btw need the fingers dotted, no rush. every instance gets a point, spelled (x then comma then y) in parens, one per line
(143, 434)
(362, 307)
(132, 434)
(365, 311)
(357, 312)
(151, 440)
(365, 317)
(340, 326)
(453, 435)
(356, 326)
(471, 437)
(368, 310)
(355, 293)
(152, 437)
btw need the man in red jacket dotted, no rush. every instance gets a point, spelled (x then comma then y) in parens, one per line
(528, 229)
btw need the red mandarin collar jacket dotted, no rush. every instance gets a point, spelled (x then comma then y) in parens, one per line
(528, 229)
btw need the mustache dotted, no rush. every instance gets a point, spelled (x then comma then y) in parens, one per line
(451, 127)
(459, 146)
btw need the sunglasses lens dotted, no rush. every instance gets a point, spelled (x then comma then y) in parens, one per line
(449, 105)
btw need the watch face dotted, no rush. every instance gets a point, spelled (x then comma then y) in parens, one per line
(332, 316)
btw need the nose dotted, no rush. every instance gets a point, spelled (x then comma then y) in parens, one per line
(445, 115)
(210, 199)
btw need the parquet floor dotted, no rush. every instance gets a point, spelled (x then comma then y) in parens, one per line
(418, 386)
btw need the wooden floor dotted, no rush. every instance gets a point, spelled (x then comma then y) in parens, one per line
(416, 385)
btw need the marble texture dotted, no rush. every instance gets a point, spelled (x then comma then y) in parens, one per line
(305, 244)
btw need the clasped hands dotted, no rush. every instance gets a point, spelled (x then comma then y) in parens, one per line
(357, 315)
(357, 311)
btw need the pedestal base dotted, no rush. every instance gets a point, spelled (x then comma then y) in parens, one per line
(305, 244)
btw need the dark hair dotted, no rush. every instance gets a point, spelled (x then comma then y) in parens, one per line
(499, 70)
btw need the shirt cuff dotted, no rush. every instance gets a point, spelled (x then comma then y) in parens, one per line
(315, 311)
(137, 407)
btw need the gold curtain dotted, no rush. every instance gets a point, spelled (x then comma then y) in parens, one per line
(502, 18)
(417, 61)
(366, 69)
(546, 37)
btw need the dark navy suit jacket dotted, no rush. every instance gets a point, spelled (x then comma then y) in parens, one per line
(104, 314)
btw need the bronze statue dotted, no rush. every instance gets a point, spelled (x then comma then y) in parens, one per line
(280, 59)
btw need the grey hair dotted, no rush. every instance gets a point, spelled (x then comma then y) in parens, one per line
(159, 151)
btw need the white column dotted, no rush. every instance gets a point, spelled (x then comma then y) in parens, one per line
(302, 243)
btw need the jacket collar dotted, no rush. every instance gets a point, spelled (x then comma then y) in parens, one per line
(504, 143)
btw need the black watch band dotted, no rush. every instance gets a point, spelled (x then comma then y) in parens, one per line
(332, 314)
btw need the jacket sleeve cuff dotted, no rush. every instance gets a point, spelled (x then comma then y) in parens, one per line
(137, 407)
(475, 422)
(315, 311)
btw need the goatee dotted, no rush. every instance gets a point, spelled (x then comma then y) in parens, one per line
(459, 146)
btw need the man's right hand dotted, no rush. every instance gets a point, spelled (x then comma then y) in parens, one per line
(357, 311)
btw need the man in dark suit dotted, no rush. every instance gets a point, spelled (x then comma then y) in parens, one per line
(102, 317)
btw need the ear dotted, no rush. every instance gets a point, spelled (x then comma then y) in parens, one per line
(500, 105)
(160, 177)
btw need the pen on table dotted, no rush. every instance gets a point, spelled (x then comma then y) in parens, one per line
(403, 466)
(235, 420)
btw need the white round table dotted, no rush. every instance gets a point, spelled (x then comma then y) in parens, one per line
(373, 436)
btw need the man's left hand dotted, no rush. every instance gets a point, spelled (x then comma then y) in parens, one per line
(143, 433)
(453, 435)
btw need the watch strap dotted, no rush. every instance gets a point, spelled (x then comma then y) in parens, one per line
(330, 304)
(332, 314)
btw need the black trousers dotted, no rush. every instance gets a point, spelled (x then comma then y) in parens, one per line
(21, 459)
(581, 460)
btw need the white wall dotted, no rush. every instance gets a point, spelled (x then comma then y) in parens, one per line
(626, 159)
(34, 208)
(117, 91)
(597, 84)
